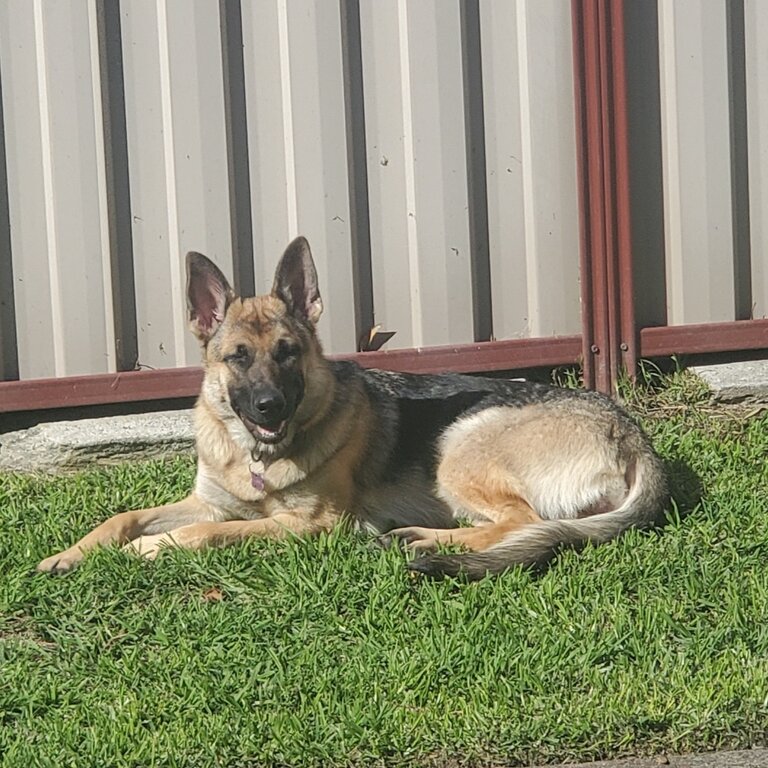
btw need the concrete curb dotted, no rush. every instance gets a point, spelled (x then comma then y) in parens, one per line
(733, 383)
(745, 758)
(72, 445)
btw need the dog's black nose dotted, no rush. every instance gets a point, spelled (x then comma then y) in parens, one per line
(270, 405)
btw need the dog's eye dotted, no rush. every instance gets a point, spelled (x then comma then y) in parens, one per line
(284, 351)
(239, 356)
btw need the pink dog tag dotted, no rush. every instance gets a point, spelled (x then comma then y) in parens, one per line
(256, 468)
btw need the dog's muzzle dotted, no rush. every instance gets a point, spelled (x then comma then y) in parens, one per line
(265, 416)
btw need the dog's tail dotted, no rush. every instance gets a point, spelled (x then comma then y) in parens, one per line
(538, 543)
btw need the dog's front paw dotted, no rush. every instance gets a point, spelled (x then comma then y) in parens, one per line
(149, 547)
(61, 562)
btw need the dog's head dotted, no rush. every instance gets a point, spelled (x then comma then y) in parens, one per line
(258, 351)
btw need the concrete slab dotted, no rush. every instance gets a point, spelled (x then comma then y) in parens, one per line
(70, 445)
(733, 383)
(746, 758)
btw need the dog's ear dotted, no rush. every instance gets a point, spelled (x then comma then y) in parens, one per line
(296, 282)
(208, 296)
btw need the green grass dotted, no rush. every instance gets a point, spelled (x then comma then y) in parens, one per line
(325, 652)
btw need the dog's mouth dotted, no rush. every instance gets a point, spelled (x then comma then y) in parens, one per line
(266, 433)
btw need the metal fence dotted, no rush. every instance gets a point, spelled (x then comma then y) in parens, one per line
(454, 184)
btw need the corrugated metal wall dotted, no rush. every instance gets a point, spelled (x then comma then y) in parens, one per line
(714, 91)
(294, 96)
(91, 228)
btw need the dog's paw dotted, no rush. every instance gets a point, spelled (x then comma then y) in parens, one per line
(61, 562)
(149, 547)
(413, 537)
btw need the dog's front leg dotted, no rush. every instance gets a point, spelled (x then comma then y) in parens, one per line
(127, 526)
(223, 534)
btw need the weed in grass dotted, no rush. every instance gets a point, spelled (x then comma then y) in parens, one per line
(325, 652)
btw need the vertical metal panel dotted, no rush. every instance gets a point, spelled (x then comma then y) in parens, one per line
(756, 65)
(696, 150)
(737, 92)
(34, 315)
(9, 359)
(267, 143)
(477, 193)
(595, 238)
(316, 163)
(178, 163)
(417, 170)
(524, 85)
(503, 136)
(61, 279)
(549, 166)
(609, 340)
(235, 118)
(114, 178)
(157, 303)
(645, 162)
(431, 84)
(357, 165)
(628, 340)
(390, 172)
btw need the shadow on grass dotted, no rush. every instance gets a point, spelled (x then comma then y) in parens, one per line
(685, 486)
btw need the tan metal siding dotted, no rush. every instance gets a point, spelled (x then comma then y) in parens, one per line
(696, 157)
(59, 279)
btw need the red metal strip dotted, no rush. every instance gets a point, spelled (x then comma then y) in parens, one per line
(705, 338)
(588, 73)
(599, 201)
(608, 325)
(475, 358)
(607, 189)
(124, 387)
(628, 332)
(600, 349)
(39, 394)
(582, 174)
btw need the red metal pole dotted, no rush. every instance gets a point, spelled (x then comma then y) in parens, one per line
(608, 190)
(628, 339)
(582, 166)
(589, 127)
(608, 326)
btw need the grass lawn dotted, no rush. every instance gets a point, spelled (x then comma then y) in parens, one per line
(326, 652)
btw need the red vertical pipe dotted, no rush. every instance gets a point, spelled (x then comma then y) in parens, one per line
(582, 165)
(603, 178)
(628, 340)
(595, 314)
(608, 191)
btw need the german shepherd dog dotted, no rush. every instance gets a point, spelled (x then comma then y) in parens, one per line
(290, 442)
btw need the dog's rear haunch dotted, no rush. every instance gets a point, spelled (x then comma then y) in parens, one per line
(290, 442)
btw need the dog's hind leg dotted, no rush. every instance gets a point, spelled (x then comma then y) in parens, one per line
(484, 491)
(126, 526)
(494, 512)
(490, 462)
